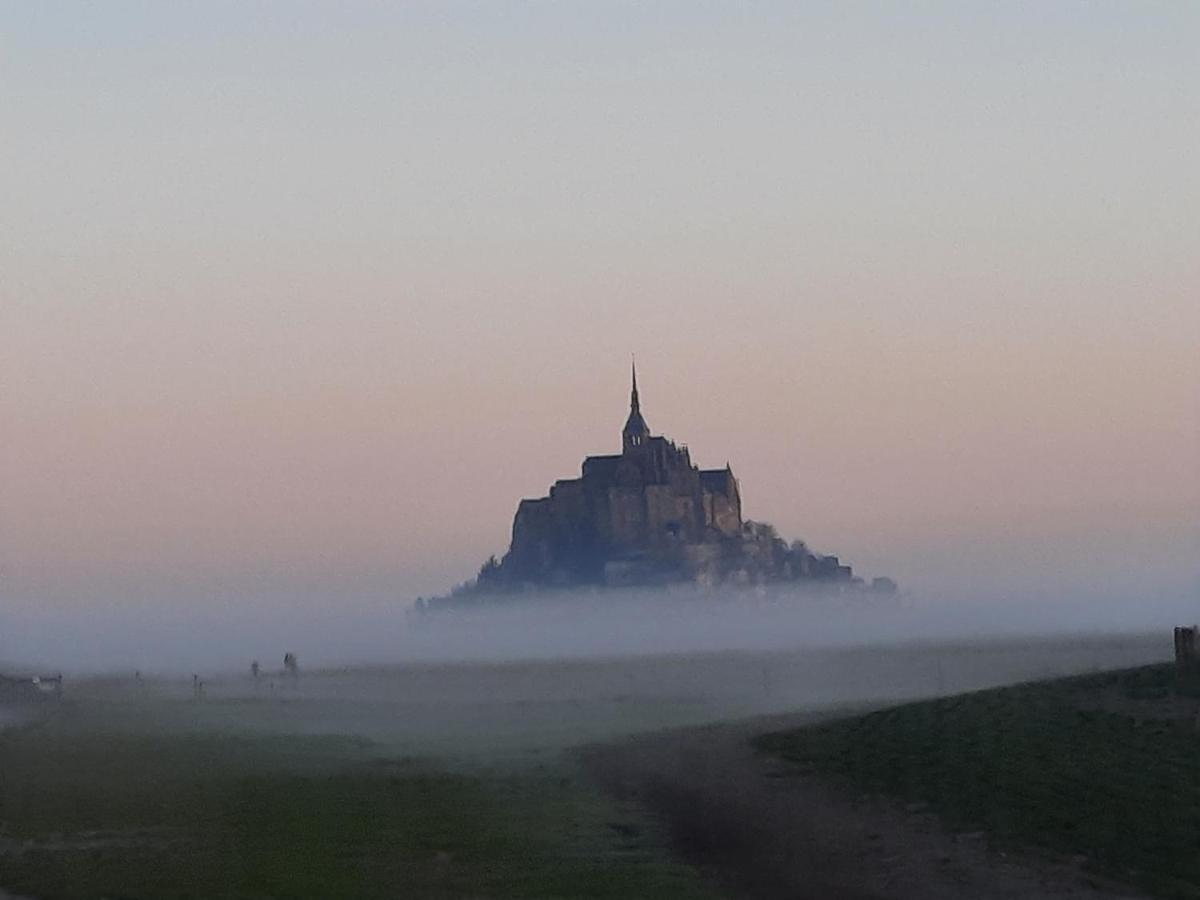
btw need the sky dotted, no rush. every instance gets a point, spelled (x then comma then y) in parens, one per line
(297, 300)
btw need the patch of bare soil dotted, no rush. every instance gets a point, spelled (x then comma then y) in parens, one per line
(763, 831)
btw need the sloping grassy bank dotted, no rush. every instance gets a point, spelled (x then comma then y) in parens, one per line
(1104, 767)
(86, 814)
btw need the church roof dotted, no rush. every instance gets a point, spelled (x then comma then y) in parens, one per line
(635, 424)
(604, 467)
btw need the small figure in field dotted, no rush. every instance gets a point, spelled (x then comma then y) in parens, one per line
(254, 670)
(48, 685)
(289, 664)
(195, 686)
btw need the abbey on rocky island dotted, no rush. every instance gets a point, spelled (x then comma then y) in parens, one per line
(630, 515)
(648, 516)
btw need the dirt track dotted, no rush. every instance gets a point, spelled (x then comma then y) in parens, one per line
(762, 832)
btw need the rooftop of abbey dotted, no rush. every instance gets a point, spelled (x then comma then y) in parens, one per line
(647, 516)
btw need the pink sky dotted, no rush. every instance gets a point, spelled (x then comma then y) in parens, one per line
(329, 301)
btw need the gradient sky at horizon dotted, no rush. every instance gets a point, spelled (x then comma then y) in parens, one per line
(301, 298)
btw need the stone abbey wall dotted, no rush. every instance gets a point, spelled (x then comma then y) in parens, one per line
(649, 501)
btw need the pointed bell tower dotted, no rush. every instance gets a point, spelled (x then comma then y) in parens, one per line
(636, 432)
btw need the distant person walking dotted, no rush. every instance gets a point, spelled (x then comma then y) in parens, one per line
(289, 665)
(254, 670)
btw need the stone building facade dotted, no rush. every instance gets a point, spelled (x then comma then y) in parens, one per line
(626, 516)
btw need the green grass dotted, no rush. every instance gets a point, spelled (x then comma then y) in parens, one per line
(86, 814)
(1104, 766)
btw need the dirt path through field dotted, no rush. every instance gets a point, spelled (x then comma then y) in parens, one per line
(763, 832)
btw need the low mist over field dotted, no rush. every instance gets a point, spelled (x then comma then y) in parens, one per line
(213, 636)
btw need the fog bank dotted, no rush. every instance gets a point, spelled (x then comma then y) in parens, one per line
(177, 638)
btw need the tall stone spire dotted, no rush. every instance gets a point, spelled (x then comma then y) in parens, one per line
(636, 431)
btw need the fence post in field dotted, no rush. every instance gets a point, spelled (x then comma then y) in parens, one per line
(1185, 648)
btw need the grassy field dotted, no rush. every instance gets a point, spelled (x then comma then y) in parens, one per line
(1101, 767)
(414, 780)
(88, 814)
